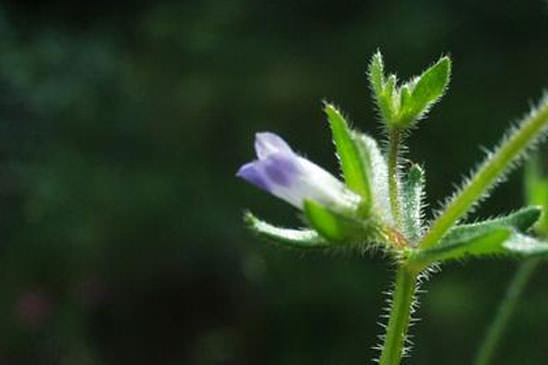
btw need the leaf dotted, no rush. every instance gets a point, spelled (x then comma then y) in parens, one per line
(431, 84)
(401, 107)
(412, 195)
(383, 89)
(536, 191)
(329, 224)
(405, 96)
(299, 238)
(355, 169)
(376, 73)
(506, 156)
(386, 100)
(420, 93)
(370, 152)
(521, 220)
(489, 242)
(520, 244)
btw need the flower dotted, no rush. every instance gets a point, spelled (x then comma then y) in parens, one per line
(293, 178)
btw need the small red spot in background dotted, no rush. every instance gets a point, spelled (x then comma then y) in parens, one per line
(32, 308)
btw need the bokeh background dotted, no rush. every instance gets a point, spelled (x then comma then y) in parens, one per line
(122, 125)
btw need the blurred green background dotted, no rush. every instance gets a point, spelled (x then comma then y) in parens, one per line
(122, 125)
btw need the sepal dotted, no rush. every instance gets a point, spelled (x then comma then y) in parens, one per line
(298, 238)
(332, 226)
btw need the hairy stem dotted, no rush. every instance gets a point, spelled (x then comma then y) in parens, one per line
(394, 140)
(398, 324)
(487, 174)
(506, 308)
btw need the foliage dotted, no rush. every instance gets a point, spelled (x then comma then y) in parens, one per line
(121, 126)
(400, 232)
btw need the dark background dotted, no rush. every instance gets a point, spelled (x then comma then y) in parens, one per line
(122, 125)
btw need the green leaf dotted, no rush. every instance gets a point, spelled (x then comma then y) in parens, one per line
(412, 194)
(387, 100)
(376, 73)
(299, 238)
(418, 94)
(526, 246)
(329, 224)
(491, 240)
(486, 243)
(521, 220)
(383, 89)
(536, 191)
(401, 107)
(405, 96)
(355, 169)
(432, 83)
(428, 88)
(513, 147)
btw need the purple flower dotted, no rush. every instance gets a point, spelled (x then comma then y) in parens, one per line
(293, 178)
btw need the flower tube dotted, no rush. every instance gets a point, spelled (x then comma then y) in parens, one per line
(293, 178)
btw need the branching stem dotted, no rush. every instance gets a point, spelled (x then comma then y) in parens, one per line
(394, 140)
(490, 170)
(507, 307)
(398, 324)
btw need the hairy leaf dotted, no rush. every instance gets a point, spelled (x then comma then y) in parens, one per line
(401, 107)
(299, 238)
(370, 152)
(520, 244)
(489, 242)
(521, 220)
(412, 194)
(526, 136)
(536, 191)
(356, 170)
(387, 100)
(429, 87)
(384, 89)
(376, 73)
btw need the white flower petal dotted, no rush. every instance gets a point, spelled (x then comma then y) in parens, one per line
(267, 143)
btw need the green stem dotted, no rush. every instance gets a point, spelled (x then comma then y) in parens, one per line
(507, 307)
(489, 171)
(398, 324)
(394, 140)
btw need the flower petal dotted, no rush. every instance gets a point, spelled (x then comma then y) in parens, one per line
(293, 178)
(325, 188)
(282, 169)
(252, 173)
(267, 143)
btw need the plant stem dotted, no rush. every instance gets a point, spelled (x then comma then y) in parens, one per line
(490, 170)
(505, 310)
(398, 324)
(394, 140)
